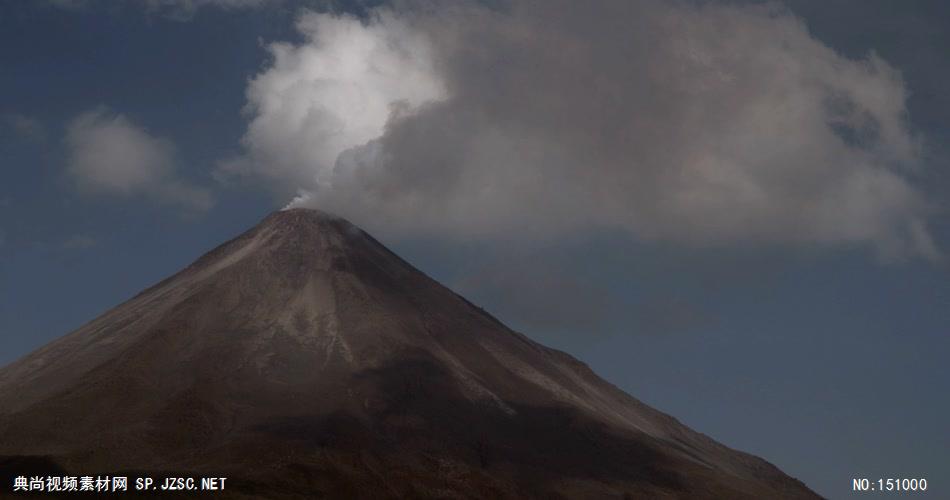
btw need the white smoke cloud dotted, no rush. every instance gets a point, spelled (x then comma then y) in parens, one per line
(332, 93)
(699, 124)
(110, 155)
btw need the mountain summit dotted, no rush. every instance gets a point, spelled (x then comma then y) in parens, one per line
(303, 359)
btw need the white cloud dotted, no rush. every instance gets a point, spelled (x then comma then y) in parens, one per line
(699, 124)
(334, 92)
(110, 155)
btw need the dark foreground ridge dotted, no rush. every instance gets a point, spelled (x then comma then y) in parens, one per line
(303, 359)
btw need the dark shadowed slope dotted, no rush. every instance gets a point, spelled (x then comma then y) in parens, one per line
(304, 359)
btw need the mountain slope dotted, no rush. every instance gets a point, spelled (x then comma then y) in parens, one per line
(304, 359)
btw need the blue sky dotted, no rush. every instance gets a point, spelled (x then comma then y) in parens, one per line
(824, 354)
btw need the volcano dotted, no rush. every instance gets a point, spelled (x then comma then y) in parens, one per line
(303, 359)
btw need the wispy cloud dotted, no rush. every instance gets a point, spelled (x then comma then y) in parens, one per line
(24, 126)
(178, 10)
(111, 155)
(80, 242)
(184, 10)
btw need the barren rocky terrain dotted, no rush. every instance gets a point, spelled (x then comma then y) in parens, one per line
(305, 360)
